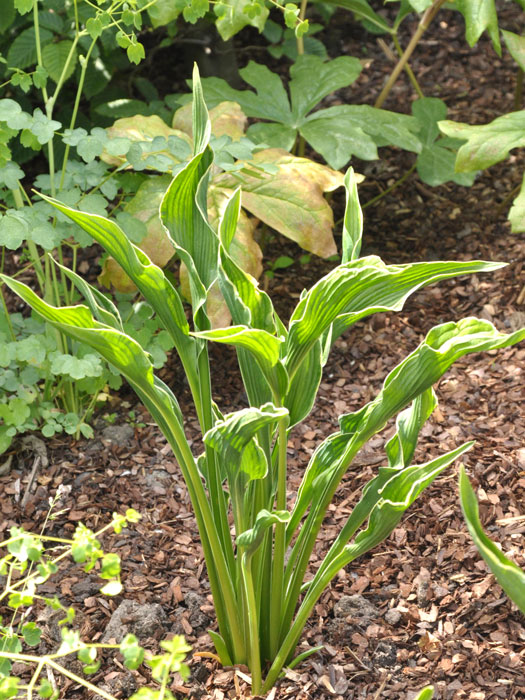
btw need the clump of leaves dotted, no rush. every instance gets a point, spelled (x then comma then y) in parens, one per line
(261, 592)
(283, 191)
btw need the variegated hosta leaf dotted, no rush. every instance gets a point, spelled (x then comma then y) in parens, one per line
(243, 250)
(291, 201)
(144, 206)
(360, 288)
(263, 347)
(250, 539)
(115, 346)
(401, 446)
(413, 377)
(353, 219)
(395, 496)
(509, 576)
(227, 118)
(230, 437)
(149, 278)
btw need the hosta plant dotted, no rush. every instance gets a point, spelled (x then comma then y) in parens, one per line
(508, 574)
(259, 577)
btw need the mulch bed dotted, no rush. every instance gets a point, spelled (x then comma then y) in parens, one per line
(422, 608)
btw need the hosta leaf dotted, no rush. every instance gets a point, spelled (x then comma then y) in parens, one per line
(396, 496)
(55, 57)
(262, 346)
(339, 132)
(291, 201)
(509, 576)
(353, 219)
(231, 436)
(149, 278)
(144, 206)
(330, 76)
(516, 46)
(443, 345)
(117, 348)
(225, 118)
(425, 694)
(480, 15)
(401, 446)
(250, 539)
(233, 18)
(486, 144)
(357, 289)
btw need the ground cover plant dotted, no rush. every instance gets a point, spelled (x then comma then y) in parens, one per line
(25, 567)
(262, 599)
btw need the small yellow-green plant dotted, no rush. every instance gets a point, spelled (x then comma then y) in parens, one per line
(25, 567)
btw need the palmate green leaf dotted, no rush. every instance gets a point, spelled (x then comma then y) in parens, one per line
(480, 15)
(232, 17)
(330, 76)
(270, 100)
(339, 132)
(357, 289)
(509, 576)
(486, 144)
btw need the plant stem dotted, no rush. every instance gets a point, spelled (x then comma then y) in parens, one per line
(279, 546)
(423, 25)
(391, 188)
(84, 65)
(300, 39)
(518, 90)
(408, 69)
(253, 623)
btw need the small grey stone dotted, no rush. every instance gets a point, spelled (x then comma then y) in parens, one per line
(392, 616)
(356, 607)
(148, 620)
(118, 434)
